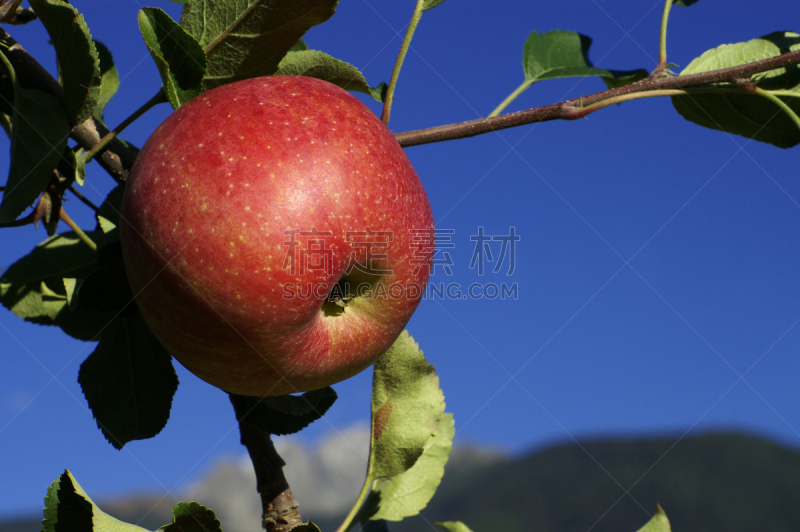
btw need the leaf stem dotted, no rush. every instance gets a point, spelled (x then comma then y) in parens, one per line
(662, 43)
(158, 98)
(348, 521)
(780, 103)
(401, 56)
(511, 97)
(78, 231)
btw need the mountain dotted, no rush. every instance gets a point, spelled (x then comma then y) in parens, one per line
(715, 482)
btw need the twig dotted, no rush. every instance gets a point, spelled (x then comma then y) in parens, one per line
(279, 507)
(577, 108)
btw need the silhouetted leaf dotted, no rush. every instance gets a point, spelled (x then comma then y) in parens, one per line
(249, 39)
(129, 382)
(430, 4)
(180, 59)
(684, 2)
(287, 414)
(39, 132)
(742, 113)
(69, 509)
(78, 61)
(315, 64)
(193, 517)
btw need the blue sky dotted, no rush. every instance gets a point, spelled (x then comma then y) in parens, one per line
(656, 269)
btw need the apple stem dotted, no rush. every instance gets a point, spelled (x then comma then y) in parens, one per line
(279, 508)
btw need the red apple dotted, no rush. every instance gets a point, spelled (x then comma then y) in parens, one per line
(275, 235)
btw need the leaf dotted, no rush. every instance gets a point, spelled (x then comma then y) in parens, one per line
(563, 54)
(192, 517)
(180, 59)
(684, 3)
(112, 206)
(247, 39)
(315, 64)
(299, 46)
(659, 523)
(407, 406)
(411, 434)
(109, 79)
(78, 60)
(69, 509)
(306, 527)
(406, 494)
(735, 111)
(129, 382)
(453, 526)
(107, 290)
(287, 414)
(39, 132)
(430, 4)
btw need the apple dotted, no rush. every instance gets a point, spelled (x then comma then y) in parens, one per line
(275, 235)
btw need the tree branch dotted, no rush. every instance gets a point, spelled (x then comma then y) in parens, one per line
(278, 505)
(117, 158)
(577, 108)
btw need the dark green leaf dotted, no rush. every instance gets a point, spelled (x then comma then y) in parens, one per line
(306, 527)
(684, 3)
(193, 517)
(107, 290)
(109, 79)
(287, 414)
(129, 382)
(315, 64)
(740, 112)
(67, 166)
(179, 57)
(78, 61)
(73, 510)
(63, 255)
(374, 526)
(659, 523)
(112, 205)
(249, 39)
(39, 134)
(69, 509)
(562, 54)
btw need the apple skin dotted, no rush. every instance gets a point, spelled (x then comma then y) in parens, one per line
(213, 204)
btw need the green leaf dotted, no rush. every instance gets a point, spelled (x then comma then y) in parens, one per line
(62, 255)
(129, 382)
(404, 495)
(407, 407)
(69, 509)
(453, 526)
(299, 46)
(109, 79)
(306, 527)
(39, 132)
(249, 38)
(659, 523)
(193, 517)
(111, 207)
(411, 435)
(430, 4)
(740, 112)
(684, 3)
(68, 166)
(563, 54)
(107, 290)
(180, 59)
(78, 60)
(287, 414)
(315, 64)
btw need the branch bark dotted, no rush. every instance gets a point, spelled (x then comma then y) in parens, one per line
(576, 108)
(279, 508)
